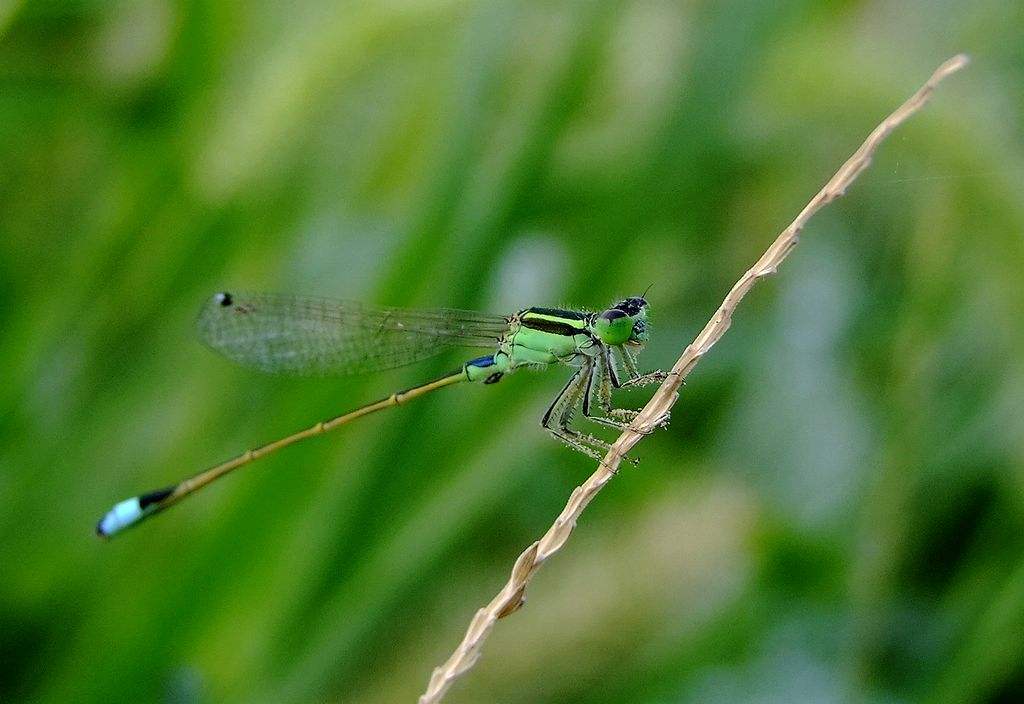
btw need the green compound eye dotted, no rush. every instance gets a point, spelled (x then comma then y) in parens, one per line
(614, 327)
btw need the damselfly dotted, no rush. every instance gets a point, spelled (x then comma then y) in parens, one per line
(286, 334)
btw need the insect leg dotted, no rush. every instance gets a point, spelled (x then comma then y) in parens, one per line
(635, 377)
(626, 415)
(558, 416)
(602, 376)
(629, 362)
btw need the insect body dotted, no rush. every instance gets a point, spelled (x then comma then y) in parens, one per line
(312, 336)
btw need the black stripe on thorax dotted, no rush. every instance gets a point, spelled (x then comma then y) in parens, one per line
(558, 313)
(541, 319)
(551, 326)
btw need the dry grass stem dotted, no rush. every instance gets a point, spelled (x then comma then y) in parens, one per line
(511, 597)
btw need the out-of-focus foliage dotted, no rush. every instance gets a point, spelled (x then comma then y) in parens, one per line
(836, 512)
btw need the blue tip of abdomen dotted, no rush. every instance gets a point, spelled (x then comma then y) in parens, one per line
(120, 517)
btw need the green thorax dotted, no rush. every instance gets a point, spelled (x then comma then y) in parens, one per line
(543, 336)
(548, 336)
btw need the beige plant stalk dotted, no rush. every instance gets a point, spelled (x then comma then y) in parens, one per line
(511, 597)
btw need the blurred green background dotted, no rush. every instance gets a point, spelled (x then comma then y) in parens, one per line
(835, 514)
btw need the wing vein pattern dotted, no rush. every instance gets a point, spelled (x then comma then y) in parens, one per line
(307, 336)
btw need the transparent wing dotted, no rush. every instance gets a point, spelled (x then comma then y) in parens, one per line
(286, 334)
